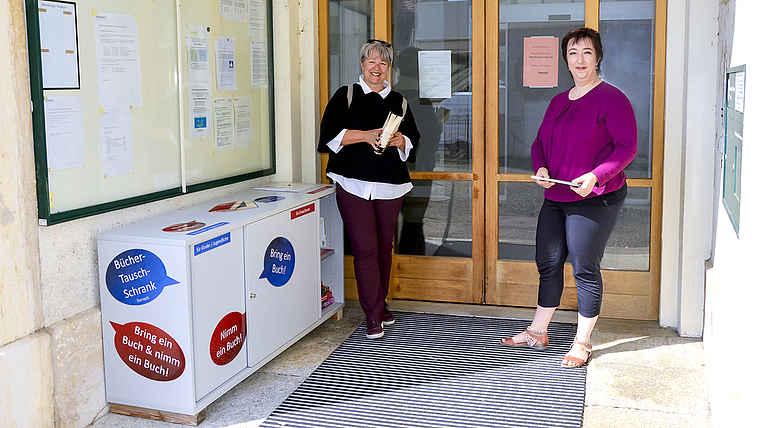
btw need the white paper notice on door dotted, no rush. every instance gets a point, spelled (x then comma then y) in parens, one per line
(117, 52)
(435, 74)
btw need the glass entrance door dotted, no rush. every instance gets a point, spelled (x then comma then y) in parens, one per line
(529, 76)
(439, 247)
(468, 70)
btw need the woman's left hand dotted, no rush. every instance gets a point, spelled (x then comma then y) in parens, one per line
(397, 141)
(588, 181)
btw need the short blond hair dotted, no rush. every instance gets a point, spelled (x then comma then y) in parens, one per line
(383, 48)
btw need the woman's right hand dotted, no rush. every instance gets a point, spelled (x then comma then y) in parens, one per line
(543, 172)
(355, 136)
(372, 137)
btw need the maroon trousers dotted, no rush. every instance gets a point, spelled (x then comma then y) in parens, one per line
(370, 225)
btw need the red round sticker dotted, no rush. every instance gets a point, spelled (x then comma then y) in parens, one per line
(227, 339)
(184, 227)
(149, 351)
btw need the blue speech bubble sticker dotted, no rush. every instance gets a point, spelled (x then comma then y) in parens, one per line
(269, 199)
(136, 277)
(279, 262)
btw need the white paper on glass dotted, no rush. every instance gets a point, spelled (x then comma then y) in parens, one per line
(198, 62)
(259, 65)
(64, 132)
(58, 43)
(234, 10)
(116, 141)
(225, 63)
(243, 122)
(739, 102)
(223, 124)
(118, 60)
(256, 20)
(435, 74)
(199, 106)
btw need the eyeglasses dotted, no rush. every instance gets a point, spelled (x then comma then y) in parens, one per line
(583, 30)
(382, 42)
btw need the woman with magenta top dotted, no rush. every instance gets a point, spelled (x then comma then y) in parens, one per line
(588, 136)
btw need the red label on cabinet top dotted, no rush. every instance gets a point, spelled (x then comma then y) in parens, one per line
(149, 351)
(319, 190)
(227, 339)
(298, 212)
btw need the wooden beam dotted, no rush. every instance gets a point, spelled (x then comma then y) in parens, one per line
(658, 147)
(324, 71)
(481, 106)
(592, 14)
(159, 415)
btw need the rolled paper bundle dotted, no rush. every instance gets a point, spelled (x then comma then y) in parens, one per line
(385, 136)
(391, 126)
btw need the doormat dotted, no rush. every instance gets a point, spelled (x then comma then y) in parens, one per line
(440, 371)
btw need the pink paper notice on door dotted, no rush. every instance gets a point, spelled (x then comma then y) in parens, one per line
(540, 62)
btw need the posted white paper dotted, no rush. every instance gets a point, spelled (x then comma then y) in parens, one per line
(243, 122)
(259, 64)
(118, 60)
(198, 65)
(225, 64)
(256, 20)
(116, 141)
(435, 74)
(740, 92)
(234, 10)
(199, 106)
(223, 124)
(58, 42)
(64, 132)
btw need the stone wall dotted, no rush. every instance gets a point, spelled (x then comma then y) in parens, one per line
(26, 390)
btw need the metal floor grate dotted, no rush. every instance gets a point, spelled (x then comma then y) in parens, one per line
(440, 371)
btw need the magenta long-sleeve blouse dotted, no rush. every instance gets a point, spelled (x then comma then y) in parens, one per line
(595, 133)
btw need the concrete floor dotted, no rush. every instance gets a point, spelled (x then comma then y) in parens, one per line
(640, 375)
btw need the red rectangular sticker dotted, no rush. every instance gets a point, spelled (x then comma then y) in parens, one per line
(298, 212)
(311, 192)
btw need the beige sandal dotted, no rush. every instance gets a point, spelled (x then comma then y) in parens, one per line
(574, 362)
(533, 339)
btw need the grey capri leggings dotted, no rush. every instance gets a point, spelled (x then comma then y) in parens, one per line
(580, 230)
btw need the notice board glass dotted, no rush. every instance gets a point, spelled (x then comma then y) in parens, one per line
(139, 100)
(736, 78)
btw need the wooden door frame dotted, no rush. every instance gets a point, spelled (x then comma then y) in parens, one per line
(485, 176)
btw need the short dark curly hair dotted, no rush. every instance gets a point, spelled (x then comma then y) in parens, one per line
(588, 34)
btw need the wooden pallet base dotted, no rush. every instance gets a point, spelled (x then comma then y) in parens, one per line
(338, 315)
(158, 415)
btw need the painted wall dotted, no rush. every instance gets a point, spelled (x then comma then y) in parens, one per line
(733, 287)
(50, 332)
(692, 129)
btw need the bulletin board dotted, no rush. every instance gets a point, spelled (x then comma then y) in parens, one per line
(736, 80)
(116, 110)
